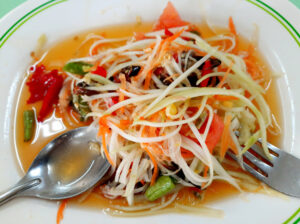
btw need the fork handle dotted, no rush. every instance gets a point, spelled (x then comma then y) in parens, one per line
(16, 190)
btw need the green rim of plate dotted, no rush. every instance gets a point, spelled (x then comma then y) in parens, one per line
(293, 217)
(260, 4)
(277, 16)
(27, 17)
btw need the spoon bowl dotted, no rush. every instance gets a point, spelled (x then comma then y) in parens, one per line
(67, 166)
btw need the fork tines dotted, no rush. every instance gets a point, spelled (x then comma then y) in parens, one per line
(256, 162)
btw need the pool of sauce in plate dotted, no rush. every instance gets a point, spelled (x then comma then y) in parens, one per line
(58, 55)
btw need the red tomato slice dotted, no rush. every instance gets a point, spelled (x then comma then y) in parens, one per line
(169, 18)
(215, 132)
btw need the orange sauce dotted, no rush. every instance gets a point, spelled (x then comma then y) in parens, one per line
(72, 47)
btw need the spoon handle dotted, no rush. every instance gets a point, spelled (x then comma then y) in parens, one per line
(16, 190)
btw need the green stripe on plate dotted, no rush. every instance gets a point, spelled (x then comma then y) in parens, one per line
(276, 15)
(25, 18)
(292, 216)
(284, 22)
(296, 3)
(297, 221)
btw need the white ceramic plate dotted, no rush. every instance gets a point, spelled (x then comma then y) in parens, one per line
(278, 40)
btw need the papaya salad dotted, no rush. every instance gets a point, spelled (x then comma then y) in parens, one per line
(168, 105)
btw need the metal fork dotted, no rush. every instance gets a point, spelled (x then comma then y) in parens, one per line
(281, 174)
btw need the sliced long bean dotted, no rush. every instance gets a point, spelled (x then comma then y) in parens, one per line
(163, 185)
(29, 124)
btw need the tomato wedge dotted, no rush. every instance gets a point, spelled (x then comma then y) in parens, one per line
(169, 18)
(215, 132)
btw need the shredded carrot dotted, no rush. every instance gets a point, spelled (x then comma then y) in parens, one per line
(147, 80)
(155, 172)
(247, 94)
(225, 76)
(103, 125)
(161, 53)
(252, 69)
(61, 209)
(158, 151)
(225, 98)
(172, 77)
(144, 131)
(233, 146)
(233, 31)
(152, 131)
(174, 36)
(180, 47)
(205, 171)
(123, 86)
(249, 62)
(153, 118)
(152, 45)
(231, 26)
(225, 136)
(164, 45)
(103, 129)
(96, 49)
(124, 124)
(105, 149)
(211, 101)
(250, 50)
(94, 102)
(95, 66)
(139, 36)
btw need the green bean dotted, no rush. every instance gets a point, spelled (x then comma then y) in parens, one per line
(163, 185)
(29, 123)
(77, 67)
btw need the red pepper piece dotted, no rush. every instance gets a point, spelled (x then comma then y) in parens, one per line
(115, 100)
(158, 71)
(175, 56)
(186, 38)
(206, 70)
(50, 97)
(168, 32)
(38, 83)
(100, 71)
(44, 85)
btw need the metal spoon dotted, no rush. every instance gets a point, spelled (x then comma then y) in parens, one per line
(64, 168)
